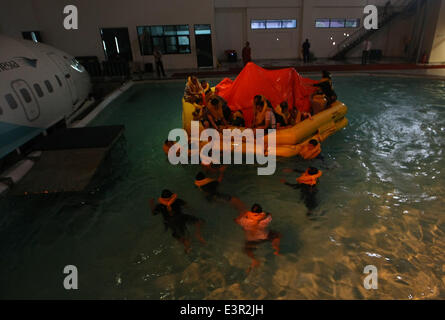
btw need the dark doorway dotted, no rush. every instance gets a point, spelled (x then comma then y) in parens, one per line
(32, 35)
(116, 44)
(204, 52)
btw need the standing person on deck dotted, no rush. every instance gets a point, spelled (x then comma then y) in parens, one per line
(158, 61)
(247, 53)
(306, 46)
(366, 51)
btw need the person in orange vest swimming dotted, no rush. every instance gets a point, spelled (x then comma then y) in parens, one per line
(307, 183)
(209, 186)
(170, 206)
(255, 224)
(311, 150)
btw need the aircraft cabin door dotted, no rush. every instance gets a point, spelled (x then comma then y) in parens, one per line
(63, 67)
(27, 99)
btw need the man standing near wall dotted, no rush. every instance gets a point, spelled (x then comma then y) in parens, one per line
(246, 53)
(306, 46)
(366, 51)
(158, 61)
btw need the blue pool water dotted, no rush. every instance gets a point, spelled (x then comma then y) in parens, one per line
(381, 201)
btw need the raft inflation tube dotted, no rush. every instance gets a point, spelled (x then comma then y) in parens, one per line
(291, 140)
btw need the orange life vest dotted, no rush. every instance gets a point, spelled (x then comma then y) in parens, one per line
(165, 148)
(309, 179)
(168, 201)
(254, 216)
(203, 182)
(310, 153)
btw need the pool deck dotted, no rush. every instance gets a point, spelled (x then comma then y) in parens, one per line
(387, 66)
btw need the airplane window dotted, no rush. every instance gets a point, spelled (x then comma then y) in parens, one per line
(48, 86)
(11, 101)
(58, 80)
(38, 90)
(25, 95)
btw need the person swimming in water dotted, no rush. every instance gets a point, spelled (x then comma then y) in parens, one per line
(171, 208)
(307, 183)
(311, 150)
(255, 224)
(209, 186)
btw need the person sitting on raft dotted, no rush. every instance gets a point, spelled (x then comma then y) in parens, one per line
(170, 206)
(206, 88)
(193, 91)
(237, 118)
(307, 183)
(326, 88)
(264, 115)
(215, 114)
(255, 224)
(284, 116)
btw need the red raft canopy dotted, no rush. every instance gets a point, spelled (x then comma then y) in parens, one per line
(276, 85)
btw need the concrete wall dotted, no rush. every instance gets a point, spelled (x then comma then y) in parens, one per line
(230, 22)
(47, 17)
(231, 30)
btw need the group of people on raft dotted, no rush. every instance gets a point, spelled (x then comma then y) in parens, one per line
(212, 111)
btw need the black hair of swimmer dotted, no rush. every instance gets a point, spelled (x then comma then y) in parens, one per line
(312, 171)
(200, 176)
(326, 74)
(313, 142)
(166, 193)
(256, 208)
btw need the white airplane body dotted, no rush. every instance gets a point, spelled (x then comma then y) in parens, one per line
(39, 86)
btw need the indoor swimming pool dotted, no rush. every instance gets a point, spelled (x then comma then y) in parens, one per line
(381, 202)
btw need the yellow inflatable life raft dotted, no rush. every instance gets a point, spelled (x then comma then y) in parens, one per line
(290, 141)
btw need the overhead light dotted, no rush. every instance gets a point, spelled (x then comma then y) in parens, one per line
(333, 43)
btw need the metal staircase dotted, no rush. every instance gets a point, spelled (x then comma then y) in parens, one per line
(396, 9)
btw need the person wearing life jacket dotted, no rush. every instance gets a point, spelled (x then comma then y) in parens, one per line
(206, 88)
(170, 206)
(208, 166)
(326, 87)
(265, 116)
(255, 224)
(193, 91)
(237, 119)
(167, 145)
(209, 186)
(284, 117)
(311, 150)
(216, 113)
(307, 183)
(259, 109)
